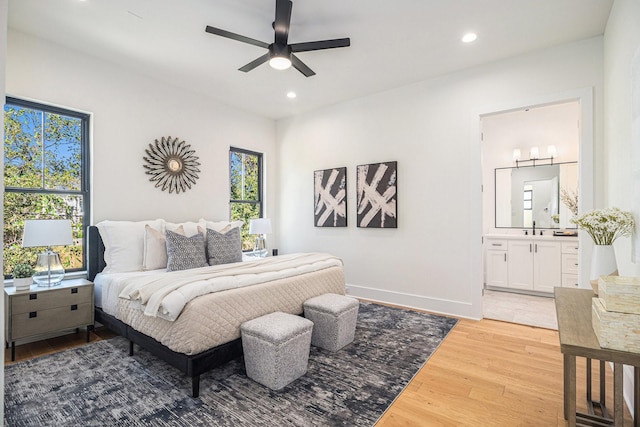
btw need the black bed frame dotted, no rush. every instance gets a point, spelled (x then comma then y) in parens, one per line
(192, 365)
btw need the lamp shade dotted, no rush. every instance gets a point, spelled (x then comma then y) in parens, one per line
(551, 151)
(47, 232)
(260, 226)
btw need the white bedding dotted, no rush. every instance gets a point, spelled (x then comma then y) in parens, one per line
(162, 294)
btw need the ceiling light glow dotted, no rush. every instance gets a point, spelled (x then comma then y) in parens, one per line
(280, 62)
(291, 95)
(469, 37)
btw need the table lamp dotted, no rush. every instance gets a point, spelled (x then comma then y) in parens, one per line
(47, 232)
(260, 226)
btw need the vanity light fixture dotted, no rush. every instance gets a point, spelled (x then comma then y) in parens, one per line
(517, 154)
(534, 155)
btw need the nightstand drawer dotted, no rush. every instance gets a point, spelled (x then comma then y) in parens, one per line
(38, 322)
(34, 301)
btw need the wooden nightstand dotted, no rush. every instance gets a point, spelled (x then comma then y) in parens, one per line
(41, 310)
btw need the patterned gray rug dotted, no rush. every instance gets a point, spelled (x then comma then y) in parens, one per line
(99, 385)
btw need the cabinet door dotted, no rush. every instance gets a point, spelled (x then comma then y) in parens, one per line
(547, 266)
(497, 268)
(520, 264)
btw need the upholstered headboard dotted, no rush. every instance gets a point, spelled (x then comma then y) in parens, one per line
(95, 252)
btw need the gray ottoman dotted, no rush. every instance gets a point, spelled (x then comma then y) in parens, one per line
(276, 348)
(334, 320)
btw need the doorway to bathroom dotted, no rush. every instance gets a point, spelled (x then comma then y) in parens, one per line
(535, 140)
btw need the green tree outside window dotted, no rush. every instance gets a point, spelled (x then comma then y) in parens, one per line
(245, 176)
(45, 150)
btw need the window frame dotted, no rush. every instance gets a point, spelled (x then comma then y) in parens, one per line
(85, 162)
(260, 200)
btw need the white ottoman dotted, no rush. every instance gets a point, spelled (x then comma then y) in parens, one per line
(334, 320)
(276, 348)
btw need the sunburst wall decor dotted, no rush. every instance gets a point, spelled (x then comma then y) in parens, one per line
(172, 164)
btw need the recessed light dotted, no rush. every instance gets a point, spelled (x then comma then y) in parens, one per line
(469, 37)
(291, 95)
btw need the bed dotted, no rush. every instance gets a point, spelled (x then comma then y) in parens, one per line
(206, 332)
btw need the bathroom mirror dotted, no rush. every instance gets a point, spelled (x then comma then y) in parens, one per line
(532, 193)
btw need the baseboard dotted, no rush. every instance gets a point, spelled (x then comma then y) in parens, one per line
(434, 305)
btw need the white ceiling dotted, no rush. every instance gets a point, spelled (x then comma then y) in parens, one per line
(393, 42)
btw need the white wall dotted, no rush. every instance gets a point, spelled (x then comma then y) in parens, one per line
(129, 111)
(433, 260)
(621, 43)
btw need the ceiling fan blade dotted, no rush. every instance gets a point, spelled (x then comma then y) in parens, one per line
(300, 66)
(282, 22)
(253, 64)
(319, 45)
(234, 36)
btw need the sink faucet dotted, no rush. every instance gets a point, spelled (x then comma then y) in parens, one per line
(534, 228)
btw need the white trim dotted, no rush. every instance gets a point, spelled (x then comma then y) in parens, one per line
(420, 302)
(586, 169)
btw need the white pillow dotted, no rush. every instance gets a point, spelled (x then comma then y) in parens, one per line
(124, 243)
(189, 228)
(155, 249)
(220, 226)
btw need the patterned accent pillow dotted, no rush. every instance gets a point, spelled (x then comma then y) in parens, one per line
(185, 252)
(224, 248)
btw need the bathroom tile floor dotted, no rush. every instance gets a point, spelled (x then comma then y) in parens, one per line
(518, 308)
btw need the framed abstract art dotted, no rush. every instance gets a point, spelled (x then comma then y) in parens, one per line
(377, 194)
(330, 197)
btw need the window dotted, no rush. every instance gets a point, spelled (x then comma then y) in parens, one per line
(245, 176)
(528, 205)
(46, 176)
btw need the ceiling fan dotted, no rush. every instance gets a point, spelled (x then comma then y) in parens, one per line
(281, 54)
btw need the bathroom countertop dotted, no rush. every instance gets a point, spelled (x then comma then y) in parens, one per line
(547, 236)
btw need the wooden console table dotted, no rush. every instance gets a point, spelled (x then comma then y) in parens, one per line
(577, 339)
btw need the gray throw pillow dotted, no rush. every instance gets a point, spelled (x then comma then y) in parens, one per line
(224, 248)
(185, 252)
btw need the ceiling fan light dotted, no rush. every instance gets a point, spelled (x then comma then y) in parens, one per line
(280, 62)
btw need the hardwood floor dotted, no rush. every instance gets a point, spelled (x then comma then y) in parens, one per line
(492, 373)
(486, 373)
(54, 345)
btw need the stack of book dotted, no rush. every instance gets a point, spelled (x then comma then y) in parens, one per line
(616, 313)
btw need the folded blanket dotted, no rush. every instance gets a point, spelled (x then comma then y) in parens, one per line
(166, 293)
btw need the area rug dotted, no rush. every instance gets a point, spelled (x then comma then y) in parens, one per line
(99, 385)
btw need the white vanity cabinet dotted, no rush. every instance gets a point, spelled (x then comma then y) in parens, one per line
(547, 265)
(496, 259)
(536, 264)
(570, 265)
